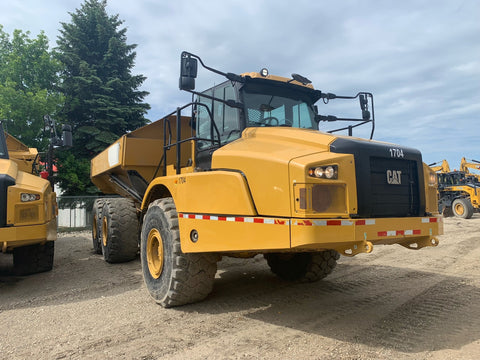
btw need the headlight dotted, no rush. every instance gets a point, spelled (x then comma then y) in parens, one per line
(26, 197)
(319, 172)
(330, 172)
(324, 172)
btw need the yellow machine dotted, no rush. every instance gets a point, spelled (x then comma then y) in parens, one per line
(465, 166)
(443, 168)
(248, 172)
(458, 195)
(458, 191)
(28, 208)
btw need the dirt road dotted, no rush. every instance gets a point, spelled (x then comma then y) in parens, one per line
(391, 304)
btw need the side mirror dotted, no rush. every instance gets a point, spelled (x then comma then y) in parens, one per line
(188, 72)
(67, 136)
(364, 106)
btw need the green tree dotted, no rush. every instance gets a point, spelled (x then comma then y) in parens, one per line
(28, 86)
(103, 100)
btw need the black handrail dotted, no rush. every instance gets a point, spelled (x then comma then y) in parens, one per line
(179, 141)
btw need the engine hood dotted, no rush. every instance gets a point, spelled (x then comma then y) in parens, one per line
(264, 155)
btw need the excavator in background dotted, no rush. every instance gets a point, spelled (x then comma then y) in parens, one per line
(28, 206)
(466, 165)
(458, 191)
(443, 168)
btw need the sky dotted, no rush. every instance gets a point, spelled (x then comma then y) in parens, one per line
(420, 59)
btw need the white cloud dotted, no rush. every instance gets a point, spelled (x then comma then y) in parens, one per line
(419, 58)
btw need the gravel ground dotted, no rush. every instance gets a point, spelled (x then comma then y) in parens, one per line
(391, 304)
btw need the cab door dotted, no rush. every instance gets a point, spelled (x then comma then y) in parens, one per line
(224, 128)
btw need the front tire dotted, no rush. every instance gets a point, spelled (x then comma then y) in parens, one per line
(33, 259)
(306, 267)
(172, 277)
(462, 208)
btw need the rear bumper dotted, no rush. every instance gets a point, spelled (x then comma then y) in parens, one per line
(16, 236)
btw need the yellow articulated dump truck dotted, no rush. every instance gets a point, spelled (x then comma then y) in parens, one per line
(246, 171)
(28, 208)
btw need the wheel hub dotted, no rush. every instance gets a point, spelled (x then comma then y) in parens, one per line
(94, 227)
(459, 209)
(104, 231)
(155, 253)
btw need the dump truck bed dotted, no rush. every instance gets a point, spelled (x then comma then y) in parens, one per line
(135, 159)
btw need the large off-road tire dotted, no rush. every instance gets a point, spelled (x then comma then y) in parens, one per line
(447, 211)
(97, 225)
(172, 277)
(462, 208)
(33, 259)
(119, 232)
(308, 266)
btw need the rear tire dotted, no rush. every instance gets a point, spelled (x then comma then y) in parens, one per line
(172, 277)
(119, 231)
(306, 267)
(33, 259)
(462, 208)
(97, 225)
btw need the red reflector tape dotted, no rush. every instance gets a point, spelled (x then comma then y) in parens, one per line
(365, 222)
(238, 219)
(398, 233)
(322, 222)
(334, 222)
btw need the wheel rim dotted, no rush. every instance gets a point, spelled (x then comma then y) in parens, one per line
(94, 227)
(155, 253)
(459, 209)
(104, 231)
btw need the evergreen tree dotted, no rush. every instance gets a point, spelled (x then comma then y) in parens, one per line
(102, 97)
(28, 86)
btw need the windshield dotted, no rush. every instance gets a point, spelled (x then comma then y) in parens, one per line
(277, 107)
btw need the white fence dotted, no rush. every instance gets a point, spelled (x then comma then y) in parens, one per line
(75, 212)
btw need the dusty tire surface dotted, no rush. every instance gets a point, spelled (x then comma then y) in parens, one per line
(308, 267)
(462, 208)
(175, 278)
(97, 225)
(393, 303)
(119, 231)
(33, 259)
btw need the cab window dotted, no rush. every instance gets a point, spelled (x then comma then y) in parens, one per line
(277, 108)
(225, 117)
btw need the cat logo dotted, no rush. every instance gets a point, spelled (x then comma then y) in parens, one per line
(394, 177)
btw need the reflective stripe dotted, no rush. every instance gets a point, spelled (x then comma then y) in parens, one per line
(274, 221)
(365, 222)
(399, 232)
(250, 220)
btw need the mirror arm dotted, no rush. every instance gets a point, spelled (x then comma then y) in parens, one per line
(229, 76)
